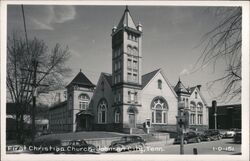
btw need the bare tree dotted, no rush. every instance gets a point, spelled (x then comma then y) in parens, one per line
(224, 43)
(23, 61)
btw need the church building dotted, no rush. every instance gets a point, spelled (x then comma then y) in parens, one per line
(125, 100)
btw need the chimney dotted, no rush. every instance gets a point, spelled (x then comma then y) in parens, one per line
(199, 87)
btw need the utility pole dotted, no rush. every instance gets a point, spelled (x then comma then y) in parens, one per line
(214, 106)
(34, 94)
(181, 122)
(34, 86)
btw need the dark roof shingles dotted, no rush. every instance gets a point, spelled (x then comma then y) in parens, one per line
(147, 77)
(81, 80)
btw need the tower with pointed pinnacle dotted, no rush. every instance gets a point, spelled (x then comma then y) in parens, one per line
(126, 67)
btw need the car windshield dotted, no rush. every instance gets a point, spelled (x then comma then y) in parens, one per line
(125, 139)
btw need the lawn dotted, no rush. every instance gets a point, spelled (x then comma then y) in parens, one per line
(82, 135)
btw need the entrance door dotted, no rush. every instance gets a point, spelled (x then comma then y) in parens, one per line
(131, 120)
(84, 123)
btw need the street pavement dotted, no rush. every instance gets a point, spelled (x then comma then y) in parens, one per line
(219, 147)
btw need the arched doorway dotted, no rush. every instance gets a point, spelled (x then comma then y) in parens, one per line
(132, 111)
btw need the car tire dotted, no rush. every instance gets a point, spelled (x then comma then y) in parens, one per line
(140, 147)
(118, 148)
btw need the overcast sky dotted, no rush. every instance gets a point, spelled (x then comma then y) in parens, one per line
(171, 37)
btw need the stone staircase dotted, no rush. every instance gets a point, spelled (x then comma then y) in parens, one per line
(137, 131)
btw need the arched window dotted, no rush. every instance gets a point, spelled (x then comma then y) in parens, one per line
(192, 106)
(159, 84)
(83, 101)
(135, 51)
(102, 111)
(199, 113)
(129, 49)
(117, 116)
(159, 109)
(199, 107)
(186, 102)
(192, 113)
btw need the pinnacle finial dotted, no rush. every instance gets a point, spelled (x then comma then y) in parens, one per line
(179, 78)
(80, 70)
(126, 8)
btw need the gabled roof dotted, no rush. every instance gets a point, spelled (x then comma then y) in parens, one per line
(180, 88)
(192, 89)
(81, 80)
(147, 77)
(126, 20)
(108, 77)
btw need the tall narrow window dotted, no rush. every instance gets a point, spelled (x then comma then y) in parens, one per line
(134, 77)
(102, 111)
(117, 116)
(132, 95)
(135, 66)
(164, 117)
(129, 63)
(129, 77)
(65, 94)
(129, 96)
(195, 94)
(136, 99)
(153, 117)
(159, 84)
(158, 116)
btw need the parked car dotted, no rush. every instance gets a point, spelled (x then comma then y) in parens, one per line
(230, 133)
(189, 137)
(127, 143)
(222, 132)
(237, 137)
(77, 146)
(211, 135)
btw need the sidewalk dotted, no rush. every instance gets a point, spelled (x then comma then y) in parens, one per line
(160, 143)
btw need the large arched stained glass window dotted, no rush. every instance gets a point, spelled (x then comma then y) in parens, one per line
(159, 109)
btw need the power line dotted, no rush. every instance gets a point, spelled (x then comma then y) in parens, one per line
(25, 30)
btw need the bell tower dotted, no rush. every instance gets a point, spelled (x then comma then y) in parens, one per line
(126, 67)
